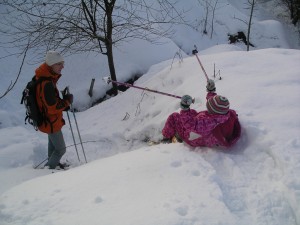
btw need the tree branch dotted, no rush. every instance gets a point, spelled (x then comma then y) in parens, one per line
(11, 86)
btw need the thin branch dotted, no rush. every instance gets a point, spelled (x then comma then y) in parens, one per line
(11, 86)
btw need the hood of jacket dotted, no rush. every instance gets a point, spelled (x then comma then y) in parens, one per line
(45, 71)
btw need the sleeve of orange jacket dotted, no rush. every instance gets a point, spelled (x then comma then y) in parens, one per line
(54, 103)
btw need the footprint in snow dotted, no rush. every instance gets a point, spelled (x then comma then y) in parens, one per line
(182, 211)
(98, 200)
(196, 173)
(176, 164)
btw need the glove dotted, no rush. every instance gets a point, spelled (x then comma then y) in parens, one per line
(68, 97)
(210, 86)
(67, 109)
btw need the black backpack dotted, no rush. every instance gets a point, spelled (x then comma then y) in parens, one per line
(33, 114)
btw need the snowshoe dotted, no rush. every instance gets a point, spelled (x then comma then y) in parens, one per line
(60, 166)
(63, 166)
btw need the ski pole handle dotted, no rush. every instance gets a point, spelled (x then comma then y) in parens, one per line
(65, 91)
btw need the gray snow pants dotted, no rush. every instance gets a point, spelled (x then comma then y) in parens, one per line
(56, 149)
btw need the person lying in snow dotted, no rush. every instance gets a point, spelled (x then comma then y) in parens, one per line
(216, 126)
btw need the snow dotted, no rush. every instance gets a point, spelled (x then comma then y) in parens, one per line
(127, 182)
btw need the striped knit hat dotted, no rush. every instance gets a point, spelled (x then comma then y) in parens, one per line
(217, 104)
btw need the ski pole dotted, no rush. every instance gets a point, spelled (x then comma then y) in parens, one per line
(35, 167)
(79, 136)
(195, 53)
(73, 135)
(145, 89)
(67, 90)
(64, 92)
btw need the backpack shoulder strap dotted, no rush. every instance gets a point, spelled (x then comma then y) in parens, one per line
(41, 79)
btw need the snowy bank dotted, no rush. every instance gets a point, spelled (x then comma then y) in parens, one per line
(128, 182)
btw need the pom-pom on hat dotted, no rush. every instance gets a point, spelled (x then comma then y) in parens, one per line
(186, 101)
(53, 57)
(217, 105)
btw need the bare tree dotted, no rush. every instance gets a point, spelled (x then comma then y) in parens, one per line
(74, 26)
(206, 7)
(252, 5)
(213, 18)
(294, 9)
(209, 8)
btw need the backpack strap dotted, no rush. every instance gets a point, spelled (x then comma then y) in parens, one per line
(43, 111)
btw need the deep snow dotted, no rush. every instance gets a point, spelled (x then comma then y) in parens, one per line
(130, 183)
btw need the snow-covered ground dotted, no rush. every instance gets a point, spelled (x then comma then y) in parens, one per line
(127, 182)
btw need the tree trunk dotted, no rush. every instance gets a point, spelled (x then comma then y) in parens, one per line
(249, 24)
(212, 19)
(109, 44)
(111, 66)
(206, 18)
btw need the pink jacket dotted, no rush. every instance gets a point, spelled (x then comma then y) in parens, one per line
(203, 128)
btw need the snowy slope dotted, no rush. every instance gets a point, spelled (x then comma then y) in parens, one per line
(130, 183)
(256, 182)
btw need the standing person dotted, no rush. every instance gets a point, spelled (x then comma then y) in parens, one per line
(216, 126)
(52, 106)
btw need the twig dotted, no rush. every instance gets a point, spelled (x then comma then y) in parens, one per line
(11, 86)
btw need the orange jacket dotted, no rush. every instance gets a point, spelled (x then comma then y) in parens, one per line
(48, 100)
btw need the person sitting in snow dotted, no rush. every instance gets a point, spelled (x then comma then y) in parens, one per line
(216, 126)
